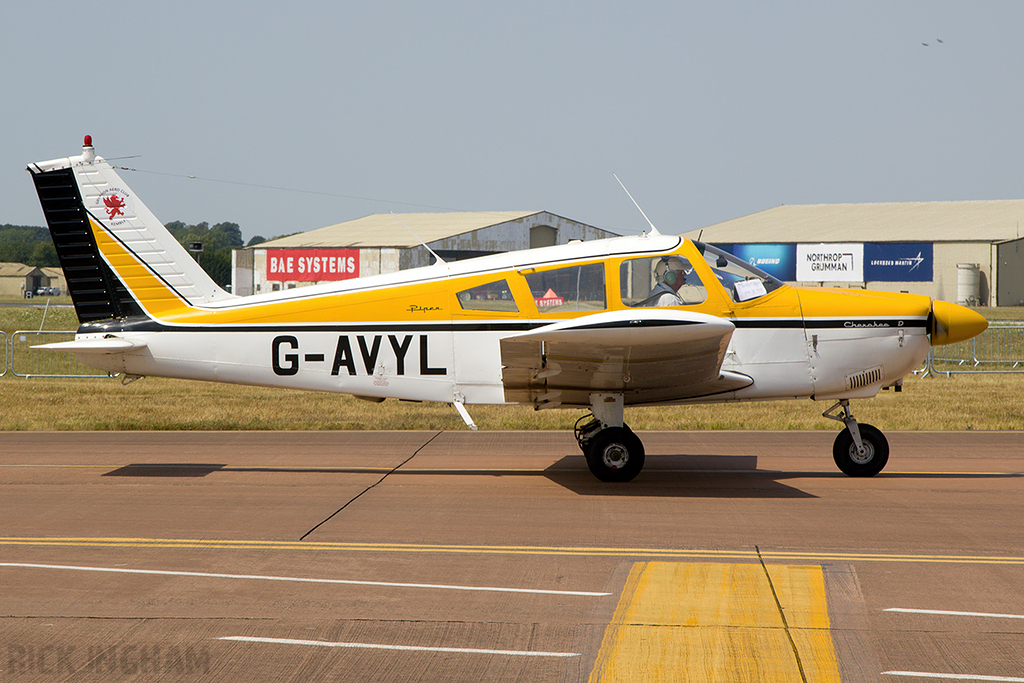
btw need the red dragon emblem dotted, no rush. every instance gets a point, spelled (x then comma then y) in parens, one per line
(114, 206)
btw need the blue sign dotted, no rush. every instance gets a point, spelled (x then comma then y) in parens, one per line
(898, 261)
(775, 259)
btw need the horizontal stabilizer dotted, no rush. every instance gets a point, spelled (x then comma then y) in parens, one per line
(110, 345)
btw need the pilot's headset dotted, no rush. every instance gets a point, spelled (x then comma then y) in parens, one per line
(670, 270)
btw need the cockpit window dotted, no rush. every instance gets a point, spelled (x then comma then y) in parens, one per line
(742, 280)
(660, 281)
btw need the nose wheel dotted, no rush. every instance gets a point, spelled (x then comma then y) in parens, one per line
(860, 450)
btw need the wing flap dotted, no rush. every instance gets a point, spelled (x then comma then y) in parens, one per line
(652, 355)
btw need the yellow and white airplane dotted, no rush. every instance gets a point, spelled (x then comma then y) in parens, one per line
(629, 321)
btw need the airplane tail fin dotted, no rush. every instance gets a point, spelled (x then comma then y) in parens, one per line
(118, 260)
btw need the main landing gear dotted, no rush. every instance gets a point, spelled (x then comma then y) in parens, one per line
(613, 451)
(860, 450)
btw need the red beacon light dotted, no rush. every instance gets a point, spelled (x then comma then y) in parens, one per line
(88, 153)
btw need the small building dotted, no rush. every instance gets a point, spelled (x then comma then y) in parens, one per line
(17, 278)
(386, 243)
(966, 252)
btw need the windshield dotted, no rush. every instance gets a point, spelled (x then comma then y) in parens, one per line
(742, 280)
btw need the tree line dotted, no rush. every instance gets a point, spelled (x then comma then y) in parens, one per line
(32, 246)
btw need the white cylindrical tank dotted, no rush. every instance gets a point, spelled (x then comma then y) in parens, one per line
(968, 284)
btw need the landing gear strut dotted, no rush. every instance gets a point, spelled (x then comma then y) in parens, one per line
(613, 451)
(860, 450)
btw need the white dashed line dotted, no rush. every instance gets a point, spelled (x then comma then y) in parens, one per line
(349, 582)
(951, 613)
(406, 648)
(954, 677)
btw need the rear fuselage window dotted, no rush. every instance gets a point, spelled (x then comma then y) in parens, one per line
(493, 296)
(576, 288)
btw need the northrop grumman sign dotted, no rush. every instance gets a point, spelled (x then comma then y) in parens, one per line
(830, 262)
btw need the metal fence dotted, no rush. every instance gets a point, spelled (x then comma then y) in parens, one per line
(24, 361)
(998, 349)
(3, 340)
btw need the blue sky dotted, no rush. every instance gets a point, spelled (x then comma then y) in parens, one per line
(706, 111)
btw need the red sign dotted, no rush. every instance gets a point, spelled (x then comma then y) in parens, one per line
(549, 299)
(312, 265)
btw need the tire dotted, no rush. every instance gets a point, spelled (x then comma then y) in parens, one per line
(844, 452)
(615, 454)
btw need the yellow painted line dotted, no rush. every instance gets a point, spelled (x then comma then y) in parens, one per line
(718, 622)
(658, 553)
(61, 467)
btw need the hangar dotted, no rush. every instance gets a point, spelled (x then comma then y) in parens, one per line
(386, 243)
(967, 252)
(16, 279)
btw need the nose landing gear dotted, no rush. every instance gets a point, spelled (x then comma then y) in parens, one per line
(860, 450)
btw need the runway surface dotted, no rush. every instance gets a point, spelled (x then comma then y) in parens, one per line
(495, 556)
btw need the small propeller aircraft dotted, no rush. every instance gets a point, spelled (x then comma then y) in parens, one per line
(629, 321)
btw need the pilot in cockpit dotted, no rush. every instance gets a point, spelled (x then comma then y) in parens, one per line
(670, 273)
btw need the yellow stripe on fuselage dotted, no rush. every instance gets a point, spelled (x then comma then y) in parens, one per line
(434, 299)
(830, 303)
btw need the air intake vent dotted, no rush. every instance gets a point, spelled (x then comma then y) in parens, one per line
(862, 379)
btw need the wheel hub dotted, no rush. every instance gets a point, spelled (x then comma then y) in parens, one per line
(862, 457)
(615, 456)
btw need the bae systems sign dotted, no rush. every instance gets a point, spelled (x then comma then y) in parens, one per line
(312, 265)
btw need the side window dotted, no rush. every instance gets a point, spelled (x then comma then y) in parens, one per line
(576, 288)
(493, 296)
(660, 281)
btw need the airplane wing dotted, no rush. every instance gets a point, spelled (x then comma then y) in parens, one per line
(650, 355)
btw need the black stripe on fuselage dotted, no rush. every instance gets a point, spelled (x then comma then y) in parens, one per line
(829, 323)
(145, 324)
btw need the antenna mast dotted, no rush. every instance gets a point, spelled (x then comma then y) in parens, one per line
(654, 230)
(432, 252)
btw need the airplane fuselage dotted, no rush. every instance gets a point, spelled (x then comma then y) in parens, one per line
(415, 341)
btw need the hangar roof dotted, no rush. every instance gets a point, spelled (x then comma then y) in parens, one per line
(973, 221)
(386, 230)
(14, 269)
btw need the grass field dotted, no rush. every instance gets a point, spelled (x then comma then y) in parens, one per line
(962, 402)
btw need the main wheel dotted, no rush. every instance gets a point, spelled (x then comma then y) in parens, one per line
(615, 454)
(866, 464)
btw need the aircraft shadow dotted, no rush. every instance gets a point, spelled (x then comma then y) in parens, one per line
(167, 469)
(681, 476)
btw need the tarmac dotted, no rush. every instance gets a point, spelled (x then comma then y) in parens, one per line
(496, 556)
